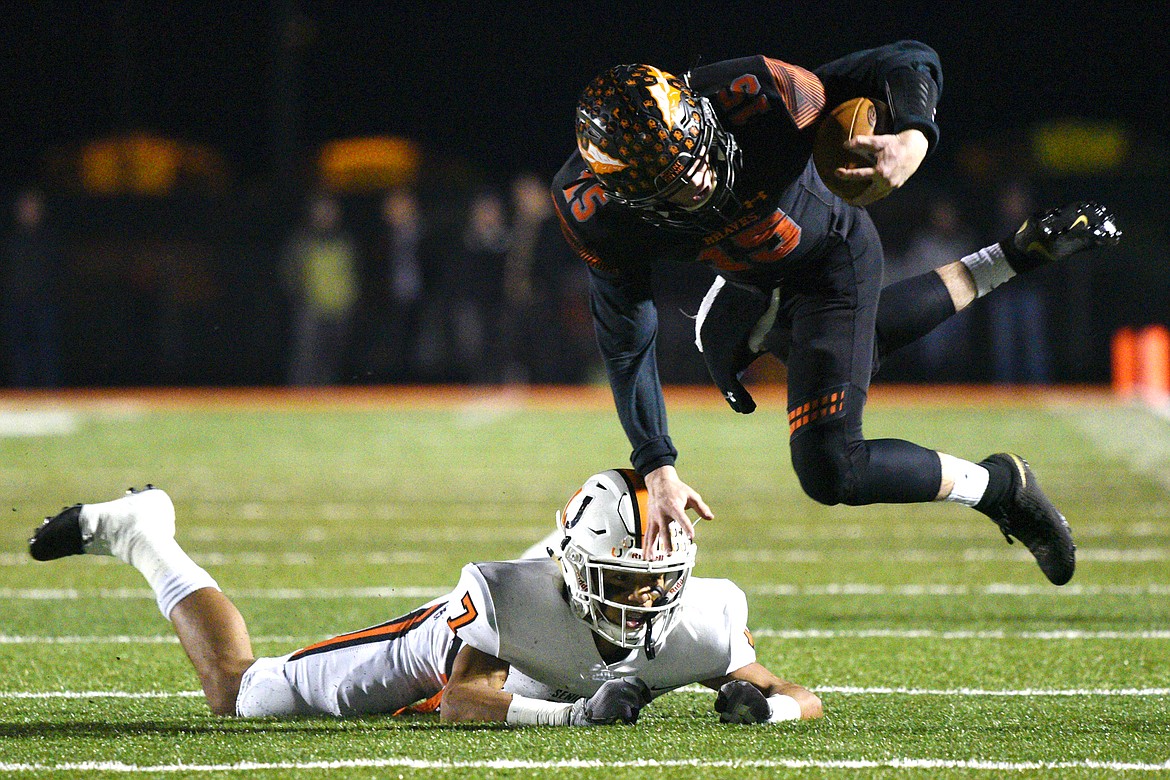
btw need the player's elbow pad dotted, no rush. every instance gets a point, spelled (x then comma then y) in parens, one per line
(912, 95)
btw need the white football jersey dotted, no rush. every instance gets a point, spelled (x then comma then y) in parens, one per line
(515, 611)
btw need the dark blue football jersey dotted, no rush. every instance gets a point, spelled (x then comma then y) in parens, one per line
(786, 218)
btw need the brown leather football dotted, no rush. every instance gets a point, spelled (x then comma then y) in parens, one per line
(859, 116)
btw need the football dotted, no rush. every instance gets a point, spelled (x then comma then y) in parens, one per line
(859, 116)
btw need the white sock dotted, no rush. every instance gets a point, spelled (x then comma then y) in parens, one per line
(171, 573)
(989, 268)
(970, 479)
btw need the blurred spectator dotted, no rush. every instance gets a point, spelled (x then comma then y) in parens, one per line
(400, 286)
(321, 272)
(32, 264)
(1017, 314)
(471, 292)
(944, 354)
(547, 335)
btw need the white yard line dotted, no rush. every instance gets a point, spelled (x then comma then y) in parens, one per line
(1096, 555)
(929, 633)
(771, 633)
(918, 590)
(926, 764)
(820, 689)
(1141, 439)
(925, 589)
(46, 422)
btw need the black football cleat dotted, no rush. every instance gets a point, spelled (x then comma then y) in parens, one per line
(1028, 515)
(58, 536)
(1051, 235)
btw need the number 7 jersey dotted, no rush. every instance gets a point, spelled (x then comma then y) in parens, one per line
(516, 611)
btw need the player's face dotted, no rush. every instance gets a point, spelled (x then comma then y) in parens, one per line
(636, 590)
(698, 187)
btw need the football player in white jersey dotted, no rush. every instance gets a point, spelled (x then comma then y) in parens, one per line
(587, 636)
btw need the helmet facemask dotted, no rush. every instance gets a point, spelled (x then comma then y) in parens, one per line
(717, 148)
(602, 563)
(644, 134)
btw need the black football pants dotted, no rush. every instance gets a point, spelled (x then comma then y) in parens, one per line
(831, 332)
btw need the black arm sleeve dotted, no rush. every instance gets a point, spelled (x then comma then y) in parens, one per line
(626, 323)
(906, 75)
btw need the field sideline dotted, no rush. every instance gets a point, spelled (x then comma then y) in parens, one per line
(938, 650)
(540, 396)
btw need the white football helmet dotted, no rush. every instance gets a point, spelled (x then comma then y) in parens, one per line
(601, 556)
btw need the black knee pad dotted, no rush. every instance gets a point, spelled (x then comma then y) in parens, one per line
(821, 463)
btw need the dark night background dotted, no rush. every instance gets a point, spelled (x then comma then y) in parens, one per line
(488, 89)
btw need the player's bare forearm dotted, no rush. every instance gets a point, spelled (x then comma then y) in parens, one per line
(474, 703)
(810, 703)
(770, 685)
(475, 690)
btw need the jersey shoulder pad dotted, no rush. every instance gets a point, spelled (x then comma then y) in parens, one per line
(741, 644)
(607, 236)
(719, 595)
(713, 622)
(472, 613)
(752, 86)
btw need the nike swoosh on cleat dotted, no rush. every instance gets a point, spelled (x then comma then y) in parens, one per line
(1019, 464)
(1036, 246)
(1081, 220)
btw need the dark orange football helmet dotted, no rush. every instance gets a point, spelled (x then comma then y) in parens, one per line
(643, 133)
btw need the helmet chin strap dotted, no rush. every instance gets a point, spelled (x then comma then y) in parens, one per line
(650, 651)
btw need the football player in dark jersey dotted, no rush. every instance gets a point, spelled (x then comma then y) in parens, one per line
(715, 167)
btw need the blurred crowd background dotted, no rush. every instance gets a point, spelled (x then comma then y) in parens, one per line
(304, 193)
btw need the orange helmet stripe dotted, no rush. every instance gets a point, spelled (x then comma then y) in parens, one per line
(637, 487)
(565, 511)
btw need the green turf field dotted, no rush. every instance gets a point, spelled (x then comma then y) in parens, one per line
(937, 649)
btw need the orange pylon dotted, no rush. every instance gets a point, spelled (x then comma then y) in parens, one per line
(1153, 363)
(1124, 358)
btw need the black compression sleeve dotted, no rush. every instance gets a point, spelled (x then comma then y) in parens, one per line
(912, 95)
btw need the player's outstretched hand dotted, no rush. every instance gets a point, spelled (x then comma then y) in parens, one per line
(616, 701)
(667, 500)
(741, 702)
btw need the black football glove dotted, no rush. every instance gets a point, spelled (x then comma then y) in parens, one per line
(616, 701)
(741, 702)
(725, 324)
